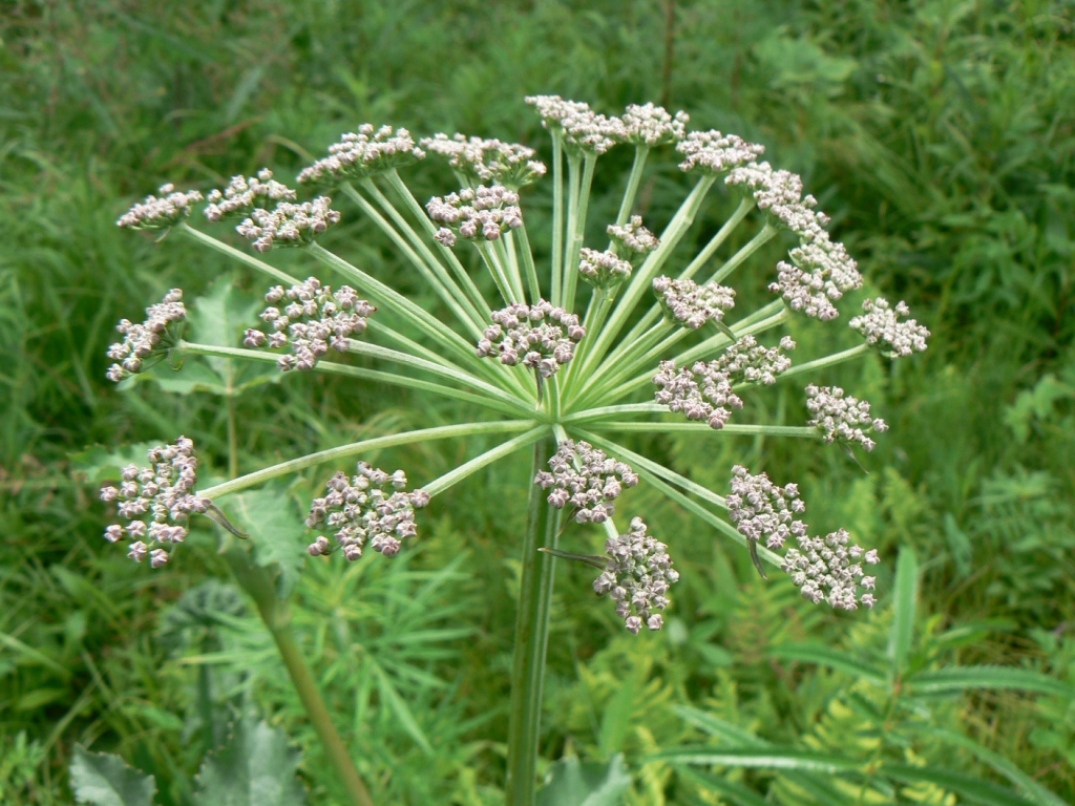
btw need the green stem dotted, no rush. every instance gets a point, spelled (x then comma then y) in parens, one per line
(767, 233)
(276, 615)
(577, 230)
(232, 252)
(355, 448)
(633, 181)
(557, 215)
(828, 361)
(531, 639)
(532, 281)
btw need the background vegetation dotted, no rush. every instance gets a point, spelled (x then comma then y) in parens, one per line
(939, 135)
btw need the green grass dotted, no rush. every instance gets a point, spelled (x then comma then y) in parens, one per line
(938, 135)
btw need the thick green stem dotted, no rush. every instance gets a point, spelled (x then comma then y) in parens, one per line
(276, 615)
(531, 640)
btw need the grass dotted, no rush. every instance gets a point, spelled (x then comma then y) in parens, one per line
(938, 135)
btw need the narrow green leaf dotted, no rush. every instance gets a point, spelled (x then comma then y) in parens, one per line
(974, 790)
(255, 768)
(616, 720)
(400, 710)
(772, 758)
(104, 779)
(963, 678)
(905, 594)
(832, 658)
(736, 792)
(574, 783)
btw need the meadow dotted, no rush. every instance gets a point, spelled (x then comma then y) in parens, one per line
(940, 137)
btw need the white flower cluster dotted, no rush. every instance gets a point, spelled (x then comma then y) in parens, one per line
(364, 153)
(243, 195)
(583, 129)
(840, 417)
(487, 161)
(651, 125)
(714, 153)
(481, 212)
(161, 212)
(288, 224)
(519, 333)
(637, 578)
(705, 391)
(602, 269)
(587, 479)
(761, 510)
(314, 319)
(690, 304)
(633, 237)
(364, 509)
(883, 329)
(824, 569)
(156, 501)
(141, 340)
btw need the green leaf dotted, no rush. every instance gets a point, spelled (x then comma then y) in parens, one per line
(616, 720)
(276, 528)
(957, 679)
(256, 768)
(974, 790)
(220, 317)
(573, 783)
(104, 779)
(770, 758)
(832, 658)
(100, 464)
(400, 710)
(736, 792)
(905, 593)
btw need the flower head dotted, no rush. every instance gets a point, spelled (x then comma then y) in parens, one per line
(582, 129)
(602, 269)
(714, 153)
(692, 305)
(762, 511)
(288, 224)
(830, 569)
(485, 161)
(171, 207)
(370, 507)
(883, 329)
(153, 335)
(637, 577)
(651, 125)
(633, 237)
(840, 417)
(587, 479)
(314, 319)
(481, 213)
(244, 194)
(157, 501)
(367, 152)
(539, 336)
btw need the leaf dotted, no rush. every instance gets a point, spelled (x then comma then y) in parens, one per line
(975, 790)
(770, 758)
(573, 783)
(735, 792)
(276, 529)
(398, 706)
(100, 464)
(616, 720)
(104, 779)
(832, 658)
(220, 317)
(905, 593)
(256, 768)
(958, 679)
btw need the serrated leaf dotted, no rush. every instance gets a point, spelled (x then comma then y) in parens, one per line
(104, 779)
(962, 678)
(573, 783)
(220, 316)
(276, 528)
(255, 768)
(905, 594)
(832, 658)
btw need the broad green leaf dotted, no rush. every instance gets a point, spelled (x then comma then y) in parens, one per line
(971, 789)
(963, 678)
(905, 593)
(271, 518)
(104, 779)
(573, 783)
(220, 317)
(832, 658)
(255, 768)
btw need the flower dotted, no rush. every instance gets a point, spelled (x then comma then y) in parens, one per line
(830, 569)
(288, 224)
(242, 195)
(157, 501)
(602, 269)
(714, 153)
(142, 341)
(487, 161)
(883, 329)
(370, 507)
(840, 417)
(583, 130)
(519, 333)
(651, 125)
(316, 318)
(633, 237)
(761, 510)
(692, 305)
(367, 152)
(637, 577)
(587, 479)
(160, 212)
(476, 213)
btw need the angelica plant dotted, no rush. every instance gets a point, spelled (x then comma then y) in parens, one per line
(560, 355)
